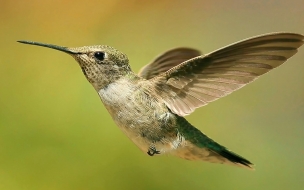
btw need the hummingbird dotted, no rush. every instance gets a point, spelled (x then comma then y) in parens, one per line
(149, 107)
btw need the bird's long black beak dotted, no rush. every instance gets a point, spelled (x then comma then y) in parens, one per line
(60, 48)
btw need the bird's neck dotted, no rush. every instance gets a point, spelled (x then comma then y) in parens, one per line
(113, 78)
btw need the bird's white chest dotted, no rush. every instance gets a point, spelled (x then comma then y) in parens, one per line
(139, 116)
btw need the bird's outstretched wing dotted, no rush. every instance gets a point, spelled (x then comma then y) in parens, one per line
(167, 60)
(200, 80)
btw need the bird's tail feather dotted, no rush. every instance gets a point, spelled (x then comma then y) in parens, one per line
(197, 146)
(235, 158)
(191, 152)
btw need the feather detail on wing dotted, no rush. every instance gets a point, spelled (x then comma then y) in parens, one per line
(203, 79)
(167, 60)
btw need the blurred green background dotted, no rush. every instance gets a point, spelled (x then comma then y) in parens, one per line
(56, 134)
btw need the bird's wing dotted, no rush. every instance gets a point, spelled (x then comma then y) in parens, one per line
(200, 80)
(167, 60)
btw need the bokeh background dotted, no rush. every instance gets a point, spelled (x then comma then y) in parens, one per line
(56, 134)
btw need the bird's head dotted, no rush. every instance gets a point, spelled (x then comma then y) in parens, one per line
(100, 64)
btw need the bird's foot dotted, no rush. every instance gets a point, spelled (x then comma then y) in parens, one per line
(152, 151)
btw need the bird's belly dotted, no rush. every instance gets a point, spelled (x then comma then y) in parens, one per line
(144, 130)
(145, 120)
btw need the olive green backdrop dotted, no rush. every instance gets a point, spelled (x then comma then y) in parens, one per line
(56, 134)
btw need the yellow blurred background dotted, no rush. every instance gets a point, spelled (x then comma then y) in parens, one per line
(56, 134)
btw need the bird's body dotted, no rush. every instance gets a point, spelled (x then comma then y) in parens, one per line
(149, 107)
(144, 119)
(148, 122)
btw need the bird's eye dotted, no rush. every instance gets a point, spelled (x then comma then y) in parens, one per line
(100, 55)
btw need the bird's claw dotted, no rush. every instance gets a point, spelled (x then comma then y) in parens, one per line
(152, 151)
